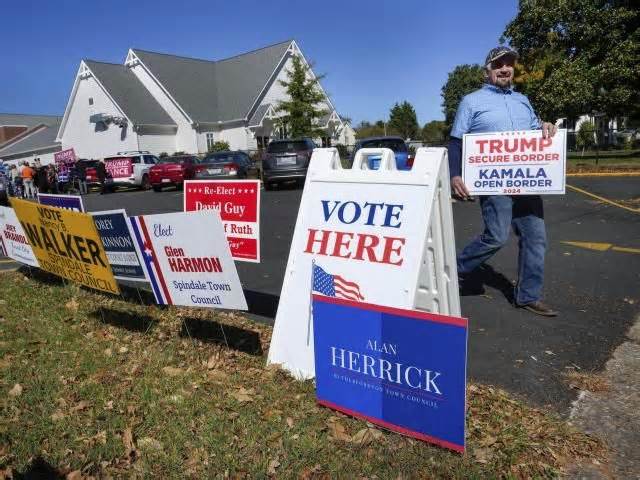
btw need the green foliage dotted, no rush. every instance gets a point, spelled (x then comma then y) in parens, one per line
(367, 129)
(403, 120)
(578, 56)
(163, 155)
(220, 146)
(342, 150)
(302, 111)
(463, 80)
(585, 138)
(434, 132)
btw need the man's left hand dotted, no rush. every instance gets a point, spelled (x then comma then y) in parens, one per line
(548, 129)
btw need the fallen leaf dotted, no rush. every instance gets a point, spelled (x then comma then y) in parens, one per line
(127, 440)
(481, 455)
(16, 391)
(57, 415)
(172, 371)
(109, 405)
(151, 443)
(243, 395)
(271, 469)
(217, 375)
(108, 352)
(72, 305)
(75, 475)
(80, 406)
(337, 431)
(213, 362)
(123, 350)
(488, 441)
(290, 422)
(366, 436)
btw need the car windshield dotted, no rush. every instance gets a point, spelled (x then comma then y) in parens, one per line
(394, 144)
(219, 158)
(287, 147)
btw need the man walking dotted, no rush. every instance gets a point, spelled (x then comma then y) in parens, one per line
(497, 107)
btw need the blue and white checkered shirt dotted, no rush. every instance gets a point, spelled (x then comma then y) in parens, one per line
(492, 109)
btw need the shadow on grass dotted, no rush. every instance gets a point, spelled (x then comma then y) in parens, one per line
(230, 336)
(126, 320)
(473, 283)
(38, 469)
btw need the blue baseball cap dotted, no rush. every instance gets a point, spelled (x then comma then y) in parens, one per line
(499, 52)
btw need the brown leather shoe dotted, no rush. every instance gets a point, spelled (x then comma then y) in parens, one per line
(539, 308)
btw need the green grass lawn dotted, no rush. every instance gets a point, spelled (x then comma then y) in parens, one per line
(98, 386)
(605, 160)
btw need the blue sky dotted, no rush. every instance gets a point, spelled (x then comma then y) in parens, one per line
(373, 53)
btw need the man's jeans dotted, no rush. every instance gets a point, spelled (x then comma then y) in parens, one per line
(525, 214)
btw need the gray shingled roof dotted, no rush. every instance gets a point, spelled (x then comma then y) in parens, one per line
(20, 119)
(212, 91)
(45, 138)
(258, 115)
(130, 94)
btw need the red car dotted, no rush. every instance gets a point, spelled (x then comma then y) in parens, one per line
(172, 171)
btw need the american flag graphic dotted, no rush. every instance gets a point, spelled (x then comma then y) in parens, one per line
(335, 285)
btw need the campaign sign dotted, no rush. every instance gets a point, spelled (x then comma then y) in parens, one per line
(238, 203)
(119, 244)
(68, 202)
(119, 167)
(64, 161)
(401, 369)
(188, 261)
(13, 239)
(66, 243)
(514, 163)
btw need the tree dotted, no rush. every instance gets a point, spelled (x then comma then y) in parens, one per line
(434, 132)
(301, 112)
(403, 120)
(366, 129)
(578, 56)
(585, 138)
(463, 80)
(219, 146)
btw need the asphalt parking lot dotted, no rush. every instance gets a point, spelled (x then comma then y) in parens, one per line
(594, 281)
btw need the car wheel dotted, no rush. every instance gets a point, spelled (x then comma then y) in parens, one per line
(157, 188)
(145, 185)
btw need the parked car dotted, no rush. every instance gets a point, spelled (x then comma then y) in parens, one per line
(627, 135)
(173, 171)
(397, 144)
(90, 168)
(131, 168)
(286, 160)
(226, 165)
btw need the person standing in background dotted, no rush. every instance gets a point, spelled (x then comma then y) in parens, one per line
(27, 180)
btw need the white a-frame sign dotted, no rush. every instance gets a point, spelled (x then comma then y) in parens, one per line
(380, 236)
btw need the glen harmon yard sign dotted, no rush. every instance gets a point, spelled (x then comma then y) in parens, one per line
(514, 163)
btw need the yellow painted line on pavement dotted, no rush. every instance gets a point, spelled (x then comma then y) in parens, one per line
(604, 174)
(602, 247)
(6, 260)
(605, 200)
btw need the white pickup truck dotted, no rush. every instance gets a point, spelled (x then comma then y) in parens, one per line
(130, 168)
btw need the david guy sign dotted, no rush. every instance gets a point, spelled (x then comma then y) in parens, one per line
(67, 244)
(238, 203)
(188, 261)
(514, 163)
(401, 369)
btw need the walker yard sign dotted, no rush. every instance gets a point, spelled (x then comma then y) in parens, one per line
(401, 369)
(67, 244)
(238, 203)
(188, 261)
(514, 163)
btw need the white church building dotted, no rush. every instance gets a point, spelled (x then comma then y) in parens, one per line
(167, 103)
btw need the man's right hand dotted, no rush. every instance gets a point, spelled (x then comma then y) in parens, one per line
(459, 189)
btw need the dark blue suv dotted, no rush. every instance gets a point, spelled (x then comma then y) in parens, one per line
(403, 162)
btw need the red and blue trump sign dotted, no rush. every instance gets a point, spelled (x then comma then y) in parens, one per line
(404, 370)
